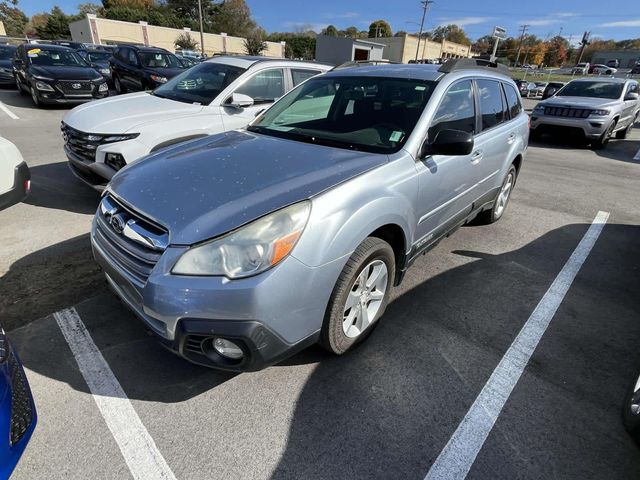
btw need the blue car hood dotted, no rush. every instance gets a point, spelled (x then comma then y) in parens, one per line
(204, 188)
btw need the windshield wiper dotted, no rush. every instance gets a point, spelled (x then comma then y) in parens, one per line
(303, 137)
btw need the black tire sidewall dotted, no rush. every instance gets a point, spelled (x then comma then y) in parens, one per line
(630, 421)
(332, 335)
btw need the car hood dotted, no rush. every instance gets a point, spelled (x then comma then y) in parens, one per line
(201, 189)
(104, 64)
(125, 113)
(579, 102)
(66, 73)
(5, 63)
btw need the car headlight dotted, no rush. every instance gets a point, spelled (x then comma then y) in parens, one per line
(45, 87)
(103, 87)
(105, 71)
(119, 138)
(159, 79)
(251, 249)
(4, 70)
(539, 109)
(600, 113)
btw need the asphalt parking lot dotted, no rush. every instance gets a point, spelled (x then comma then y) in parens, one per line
(385, 410)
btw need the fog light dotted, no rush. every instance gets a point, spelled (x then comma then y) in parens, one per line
(115, 160)
(227, 349)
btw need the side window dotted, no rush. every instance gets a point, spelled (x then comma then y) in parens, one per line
(457, 110)
(300, 75)
(492, 110)
(133, 59)
(513, 100)
(264, 87)
(633, 88)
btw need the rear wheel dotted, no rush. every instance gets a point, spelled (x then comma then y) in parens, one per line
(501, 201)
(359, 297)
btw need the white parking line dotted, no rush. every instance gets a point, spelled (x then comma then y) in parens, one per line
(457, 457)
(6, 110)
(137, 446)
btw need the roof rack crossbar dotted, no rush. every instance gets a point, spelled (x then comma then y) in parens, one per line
(471, 63)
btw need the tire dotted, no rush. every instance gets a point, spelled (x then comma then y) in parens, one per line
(35, 98)
(20, 86)
(631, 410)
(120, 89)
(622, 134)
(343, 326)
(604, 138)
(500, 203)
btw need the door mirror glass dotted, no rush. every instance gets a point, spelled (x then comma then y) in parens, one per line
(631, 96)
(240, 100)
(448, 142)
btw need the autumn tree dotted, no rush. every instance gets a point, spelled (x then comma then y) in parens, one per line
(451, 33)
(557, 50)
(13, 18)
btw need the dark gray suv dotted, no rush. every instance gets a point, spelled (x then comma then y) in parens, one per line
(242, 248)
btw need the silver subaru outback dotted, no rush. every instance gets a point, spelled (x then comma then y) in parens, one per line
(239, 249)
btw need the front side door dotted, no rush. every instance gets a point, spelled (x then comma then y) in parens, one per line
(264, 88)
(630, 106)
(447, 182)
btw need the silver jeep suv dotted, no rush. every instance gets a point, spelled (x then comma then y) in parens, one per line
(242, 248)
(594, 108)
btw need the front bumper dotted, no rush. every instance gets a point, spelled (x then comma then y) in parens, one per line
(19, 192)
(7, 78)
(95, 174)
(271, 315)
(591, 128)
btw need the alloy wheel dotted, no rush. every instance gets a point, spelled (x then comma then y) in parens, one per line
(365, 298)
(503, 197)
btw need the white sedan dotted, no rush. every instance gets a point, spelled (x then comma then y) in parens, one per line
(603, 70)
(15, 178)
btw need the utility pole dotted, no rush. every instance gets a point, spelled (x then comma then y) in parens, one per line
(585, 41)
(201, 28)
(425, 6)
(524, 30)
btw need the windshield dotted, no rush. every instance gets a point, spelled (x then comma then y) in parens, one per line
(592, 89)
(6, 53)
(359, 113)
(55, 58)
(98, 57)
(200, 84)
(159, 60)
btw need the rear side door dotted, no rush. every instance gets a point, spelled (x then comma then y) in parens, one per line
(264, 87)
(134, 71)
(492, 145)
(447, 183)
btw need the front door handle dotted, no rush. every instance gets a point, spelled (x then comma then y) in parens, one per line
(476, 157)
(511, 138)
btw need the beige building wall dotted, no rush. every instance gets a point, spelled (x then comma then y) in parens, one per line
(2, 30)
(102, 30)
(403, 49)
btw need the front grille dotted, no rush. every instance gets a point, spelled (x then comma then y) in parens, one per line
(82, 144)
(21, 408)
(131, 256)
(567, 112)
(79, 87)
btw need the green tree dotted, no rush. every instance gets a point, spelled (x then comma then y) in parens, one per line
(330, 31)
(57, 25)
(85, 8)
(185, 41)
(13, 18)
(451, 33)
(254, 44)
(483, 44)
(352, 32)
(380, 28)
(298, 45)
(400, 33)
(234, 18)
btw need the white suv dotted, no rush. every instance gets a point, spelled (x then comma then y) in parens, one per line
(15, 178)
(221, 94)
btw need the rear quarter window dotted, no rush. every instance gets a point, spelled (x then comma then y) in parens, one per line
(492, 108)
(513, 100)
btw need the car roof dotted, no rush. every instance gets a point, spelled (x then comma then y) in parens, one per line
(48, 46)
(601, 80)
(246, 61)
(416, 71)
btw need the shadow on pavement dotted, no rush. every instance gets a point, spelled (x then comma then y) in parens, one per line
(54, 186)
(386, 409)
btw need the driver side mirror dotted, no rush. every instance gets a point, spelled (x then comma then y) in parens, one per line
(631, 96)
(240, 100)
(448, 142)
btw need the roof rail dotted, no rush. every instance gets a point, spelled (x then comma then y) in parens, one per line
(472, 63)
(363, 63)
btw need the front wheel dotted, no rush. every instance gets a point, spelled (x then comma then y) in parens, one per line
(602, 142)
(35, 97)
(359, 297)
(631, 409)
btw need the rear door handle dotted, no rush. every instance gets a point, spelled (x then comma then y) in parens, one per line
(511, 138)
(476, 156)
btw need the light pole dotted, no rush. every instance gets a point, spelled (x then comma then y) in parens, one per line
(201, 28)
